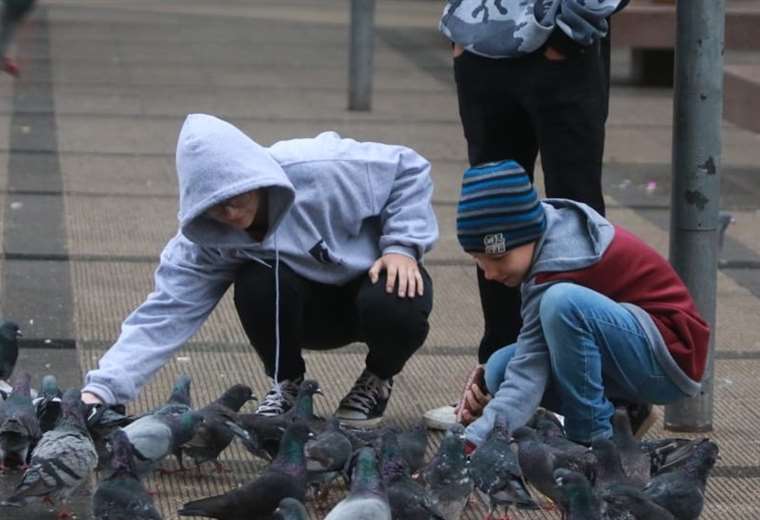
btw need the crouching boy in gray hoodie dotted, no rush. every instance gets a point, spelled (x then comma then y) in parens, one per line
(605, 317)
(322, 240)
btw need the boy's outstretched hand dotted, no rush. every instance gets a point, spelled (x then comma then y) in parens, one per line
(400, 267)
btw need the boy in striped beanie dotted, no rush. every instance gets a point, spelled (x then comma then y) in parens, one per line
(605, 317)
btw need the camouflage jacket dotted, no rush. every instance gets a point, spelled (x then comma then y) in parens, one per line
(512, 28)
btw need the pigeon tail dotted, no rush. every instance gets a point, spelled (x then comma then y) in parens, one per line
(210, 507)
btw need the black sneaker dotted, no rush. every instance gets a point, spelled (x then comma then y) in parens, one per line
(365, 404)
(642, 416)
(280, 398)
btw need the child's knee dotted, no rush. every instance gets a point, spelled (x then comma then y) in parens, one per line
(559, 301)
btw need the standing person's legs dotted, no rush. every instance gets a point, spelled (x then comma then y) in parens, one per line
(394, 329)
(568, 102)
(598, 352)
(496, 128)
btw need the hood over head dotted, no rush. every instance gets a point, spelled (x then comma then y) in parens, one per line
(217, 161)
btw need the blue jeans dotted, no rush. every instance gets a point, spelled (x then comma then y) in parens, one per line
(598, 353)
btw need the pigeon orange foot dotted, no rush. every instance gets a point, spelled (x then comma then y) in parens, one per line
(10, 67)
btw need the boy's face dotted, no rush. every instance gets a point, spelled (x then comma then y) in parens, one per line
(238, 211)
(509, 268)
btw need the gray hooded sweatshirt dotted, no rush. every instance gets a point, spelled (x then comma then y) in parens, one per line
(335, 206)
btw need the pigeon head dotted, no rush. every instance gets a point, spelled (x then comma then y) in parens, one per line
(236, 396)
(571, 482)
(49, 386)
(500, 429)
(365, 474)
(122, 452)
(290, 509)
(73, 409)
(9, 334)
(181, 391)
(524, 433)
(9, 331)
(704, 458)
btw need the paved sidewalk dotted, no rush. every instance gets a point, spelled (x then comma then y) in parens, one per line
(88, 191)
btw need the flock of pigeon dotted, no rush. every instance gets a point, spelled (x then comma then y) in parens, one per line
(53, 442)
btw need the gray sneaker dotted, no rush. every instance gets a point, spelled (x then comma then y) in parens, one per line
(364, 405)
(280, 398)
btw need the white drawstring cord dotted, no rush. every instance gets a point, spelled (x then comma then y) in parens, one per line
(276, 311)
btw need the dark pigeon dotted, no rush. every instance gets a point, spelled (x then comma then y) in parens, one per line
(538, 462)
(180, 395)
(674, 454)
(582, 503)
(407, 498)
(546, 424)
(413, 444)
(102, 420)
(609, 469)
(328, 456)
(682, 490)
(9, 334)
(217, 430)
(447, 476)
(47, 404)
(62, 460)
(621, 502)
(290, 509)
(159, 434)
(636, 463)
(496, 472)
(121, 496)
(19, 427)
(268, 430)
(367, 499)
(286, 477)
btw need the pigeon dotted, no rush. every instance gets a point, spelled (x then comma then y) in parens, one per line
(47, 404)
(447, 476)
(327, 456)
(547, 424)
(121, 496)
(179, 400)
(14, 12)
(9, 334)
(290, 509)
(157, 435)
(682, 490)
(102, 420)
(407, 498)
(582, 503)
(673, 454)
(286, 477)
(413, 444)
(216, 432)
(636, 463)
(268, 430)
(496, 472)
(367, 499)
(621, 502)
(62, 460)
(538, 462)
(19, 427)
(609, 468)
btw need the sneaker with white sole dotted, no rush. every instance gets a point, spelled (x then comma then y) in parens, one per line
(441, 418)
(364, 405)
(280, 398)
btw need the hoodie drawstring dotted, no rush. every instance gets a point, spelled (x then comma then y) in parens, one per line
(276, 310)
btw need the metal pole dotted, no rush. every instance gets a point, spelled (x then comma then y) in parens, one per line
(696, 179)
(361, 54)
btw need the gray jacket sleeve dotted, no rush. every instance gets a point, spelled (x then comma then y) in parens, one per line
(188, 284)
(525, 378)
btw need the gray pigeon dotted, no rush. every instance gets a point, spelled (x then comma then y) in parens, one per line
(286, 477)
(413, 444)
(327, 456)
(582, 503)
(102, 420)
(546, 424)
(121, 496)
(538, 462)
(636, 463)
(47, 404)
(268, 430)
(9, 334)
(407, 498)
(19, 427)
(159, 434)
(447, 476)
(682, 490)
(217, 430)
(290, 509)
(626, 502)
(496, 472)
(62, 460)
(609, 468)
(367, 499)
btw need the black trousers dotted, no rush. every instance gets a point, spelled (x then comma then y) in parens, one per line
(322, 317)
(516, 108)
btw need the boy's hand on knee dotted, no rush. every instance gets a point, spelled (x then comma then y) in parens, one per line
(400, 267)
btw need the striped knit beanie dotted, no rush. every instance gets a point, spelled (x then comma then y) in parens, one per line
(498, 209)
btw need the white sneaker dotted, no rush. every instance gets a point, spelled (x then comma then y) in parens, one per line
(441, 418)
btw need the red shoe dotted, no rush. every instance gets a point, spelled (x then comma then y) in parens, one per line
(10, 67)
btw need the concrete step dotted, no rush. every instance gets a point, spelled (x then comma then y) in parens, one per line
(741, 94)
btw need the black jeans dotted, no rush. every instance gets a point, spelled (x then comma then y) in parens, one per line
(516, 108)
(321, 317)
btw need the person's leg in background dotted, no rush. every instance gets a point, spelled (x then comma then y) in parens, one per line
(394, 328)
